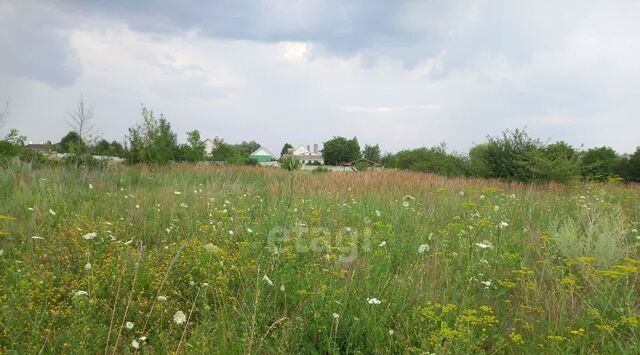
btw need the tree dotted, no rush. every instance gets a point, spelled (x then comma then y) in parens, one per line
(633, 171)
(71, 143)
(195, 149)
(372, 152)
(152, 140)
(340, 150)
(598, 164)
(249, 147)
(285, 149)
(432, 160)
(81, 120)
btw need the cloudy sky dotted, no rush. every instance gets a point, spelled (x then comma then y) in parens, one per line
(398, 73)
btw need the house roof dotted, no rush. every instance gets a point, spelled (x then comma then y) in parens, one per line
(262, 151)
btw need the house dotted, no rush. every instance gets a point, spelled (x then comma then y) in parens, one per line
(306, 155)
(210, 145)
(41, 148)
(262, 155)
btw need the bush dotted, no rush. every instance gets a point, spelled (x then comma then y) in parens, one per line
(290, 163)
(432, 160)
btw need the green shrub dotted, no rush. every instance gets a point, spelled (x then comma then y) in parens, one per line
(290, 163)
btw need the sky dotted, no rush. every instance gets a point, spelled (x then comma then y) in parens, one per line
(401, 74)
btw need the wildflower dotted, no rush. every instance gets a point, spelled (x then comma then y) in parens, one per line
(496, 208)
(634, 231)
(373, 300)
(135, 344)
(90, 187)
(179, 317)
(423, 248)
(137, 206)
(211, 248)
(377, 213)
(267, 280)
(89, 236)
(461, 193)
(143, 338)
(405, 204)
(482, 197)
(282, 288)
(230, 232)
(80, 293)
(486, 283)
(336, 315)
(183, 205)
(485, 244)
(391, 332)
(177, 193)
(249, 230)
(503, 224)
(382, 244)
(52, 212)
(162, 298)
(129, 325)
(30, 208)
(87, 266)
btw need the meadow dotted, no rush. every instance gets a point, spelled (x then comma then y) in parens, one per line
(251, 260)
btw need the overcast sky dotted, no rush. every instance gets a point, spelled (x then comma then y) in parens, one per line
(398, 73)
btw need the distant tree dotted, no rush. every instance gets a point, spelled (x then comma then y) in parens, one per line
(113, 149)
(510, 157)
(433, 160)
(555, 162)
(598, 164)
(71, 143)
(152, 140)
(249, 147)
(339, 150)
(81, 120)
(14, 137)
(195, 150)
(633, 170)
(372, 152)
(285, 149)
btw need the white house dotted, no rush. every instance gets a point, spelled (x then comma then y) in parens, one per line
(306, 155)
(209, 145)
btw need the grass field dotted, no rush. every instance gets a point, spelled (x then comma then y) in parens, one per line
(257, 260)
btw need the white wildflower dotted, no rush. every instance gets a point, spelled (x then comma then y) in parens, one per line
(496, 208)
(377, 213)
(503, 224)
(461, 193)
(405, 204)
(382, 244)
(336, 315)
(143, 338)
(249, 230)
(179, 317)
(87, 266)
(80, 293)
(211, 248)
(423, 248)
(230, 232)
(485, 244)
(391, 332)
(30, 208)
(52, 212)
(177, 193)
(282, 288)
(89, 236)
(183, 205)
(373, 300)
(267, 280)
(90, 186)
(137, 206)
(486, 283)
(162, 298)
(129, 325)
(135, 344)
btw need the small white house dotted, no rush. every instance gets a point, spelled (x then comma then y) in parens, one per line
(262, 155)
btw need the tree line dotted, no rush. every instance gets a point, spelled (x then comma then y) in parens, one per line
(511, 156)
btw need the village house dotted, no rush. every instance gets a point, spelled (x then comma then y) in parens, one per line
(306, 155)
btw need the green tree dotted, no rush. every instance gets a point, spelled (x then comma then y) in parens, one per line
(633, 170)
(598, 164)
(152, 140)
(372, 152)
(339, 150)
(195, 149)
(72, 143)
(432, 160)
(285, 149)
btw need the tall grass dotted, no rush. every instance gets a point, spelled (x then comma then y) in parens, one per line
(263, 260)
